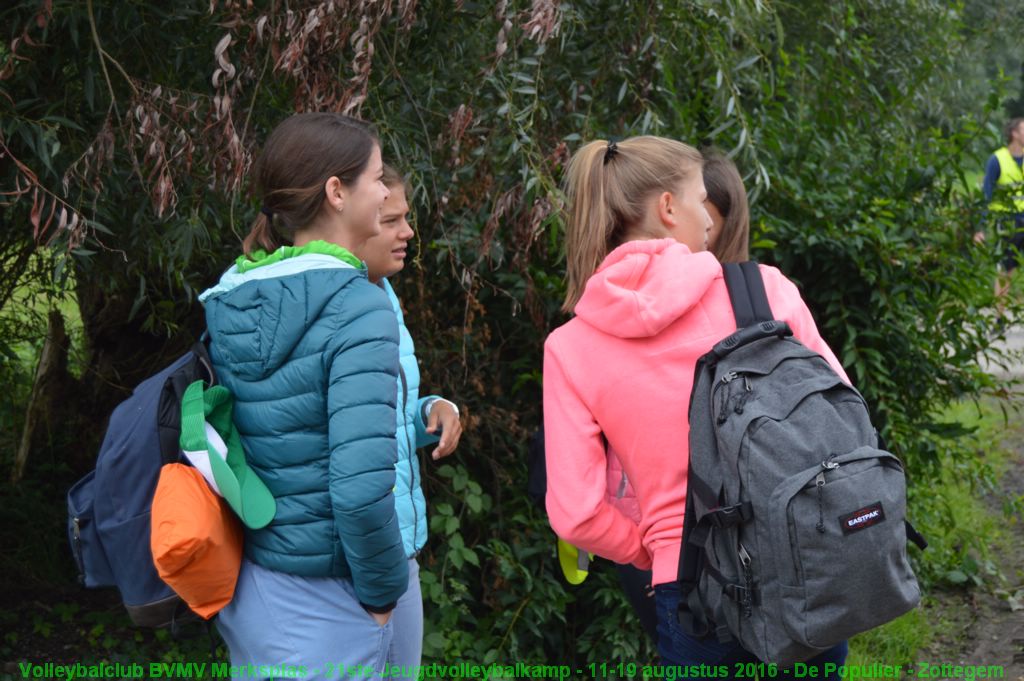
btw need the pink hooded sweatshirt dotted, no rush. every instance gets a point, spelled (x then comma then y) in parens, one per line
(624, 367)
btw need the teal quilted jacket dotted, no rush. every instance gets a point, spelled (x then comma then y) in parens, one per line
(309, 349)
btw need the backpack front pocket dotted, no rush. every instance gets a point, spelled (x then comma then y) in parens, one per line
(93, 565)
(839, 529)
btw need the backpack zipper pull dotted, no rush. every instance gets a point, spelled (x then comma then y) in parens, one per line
(723, 402)
(745, 559)
(748, 581)
(747, 391)
(819, 482)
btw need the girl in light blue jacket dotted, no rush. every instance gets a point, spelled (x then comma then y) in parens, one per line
(421, 421)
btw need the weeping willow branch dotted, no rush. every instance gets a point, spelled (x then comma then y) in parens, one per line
(104, 57)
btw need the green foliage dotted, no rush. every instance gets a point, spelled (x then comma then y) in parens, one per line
(849, 121)
(99, 634)
(870, 214)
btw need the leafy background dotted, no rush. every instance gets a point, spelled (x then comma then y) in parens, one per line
(128, 131)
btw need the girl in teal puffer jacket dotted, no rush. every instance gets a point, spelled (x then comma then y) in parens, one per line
(309, 349)
(421, 421)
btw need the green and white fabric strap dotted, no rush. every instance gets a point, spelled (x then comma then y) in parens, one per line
(212, 444)
(198, 437)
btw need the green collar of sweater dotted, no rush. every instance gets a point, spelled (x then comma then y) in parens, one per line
(261, 258)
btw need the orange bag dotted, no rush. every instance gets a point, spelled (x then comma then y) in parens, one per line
(196, 540)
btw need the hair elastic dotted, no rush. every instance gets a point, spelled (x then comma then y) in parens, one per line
(266, 211)
(610, 152)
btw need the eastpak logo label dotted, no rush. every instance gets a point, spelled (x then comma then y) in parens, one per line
(862, 518)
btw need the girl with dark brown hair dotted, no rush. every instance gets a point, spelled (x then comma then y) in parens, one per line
(309, 349)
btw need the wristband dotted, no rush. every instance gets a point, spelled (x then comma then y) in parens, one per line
(430, 405)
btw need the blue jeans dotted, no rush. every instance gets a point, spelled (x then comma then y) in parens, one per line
(636, 584)
(677, 648)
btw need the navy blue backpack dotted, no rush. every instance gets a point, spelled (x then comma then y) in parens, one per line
(109, 508)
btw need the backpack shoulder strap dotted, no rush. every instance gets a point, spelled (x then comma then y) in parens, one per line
(747, 294)
(200, 367)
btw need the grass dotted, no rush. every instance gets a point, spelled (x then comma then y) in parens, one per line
(895, 643)
(65, 630)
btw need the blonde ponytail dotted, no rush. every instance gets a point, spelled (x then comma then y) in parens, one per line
(607, 186)
(590, 223)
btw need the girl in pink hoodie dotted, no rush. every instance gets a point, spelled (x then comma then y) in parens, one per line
(649, 301)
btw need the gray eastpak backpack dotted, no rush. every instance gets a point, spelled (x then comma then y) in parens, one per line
(795, 535)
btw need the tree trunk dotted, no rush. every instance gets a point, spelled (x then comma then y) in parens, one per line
(119, 352)
(51, 376)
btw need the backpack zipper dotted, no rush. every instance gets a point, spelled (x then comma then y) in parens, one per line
(744, 396)
(79, 558)
(412, 453)
(727, 396)
(723, 402)
(819, 482)
(748, 582)
(621, 492)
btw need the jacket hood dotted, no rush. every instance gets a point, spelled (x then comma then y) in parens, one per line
(262, 307)
(643, 286)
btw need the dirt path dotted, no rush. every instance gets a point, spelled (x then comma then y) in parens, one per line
(998, 635)
(987, 631)
(984, 631)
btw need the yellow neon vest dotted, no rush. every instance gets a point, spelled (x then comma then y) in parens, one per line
(1010, 175)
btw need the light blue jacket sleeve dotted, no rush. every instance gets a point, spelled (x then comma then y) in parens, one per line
(423, 438)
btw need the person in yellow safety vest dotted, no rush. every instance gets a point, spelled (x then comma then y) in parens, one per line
(1004, 190)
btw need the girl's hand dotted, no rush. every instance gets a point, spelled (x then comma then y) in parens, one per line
(444, 416)
(381, 619)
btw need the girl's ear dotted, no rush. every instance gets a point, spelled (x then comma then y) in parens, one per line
(666, 207)
(334, 191)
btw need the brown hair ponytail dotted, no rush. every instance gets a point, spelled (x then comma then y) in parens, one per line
(607, 186)
(261, 235)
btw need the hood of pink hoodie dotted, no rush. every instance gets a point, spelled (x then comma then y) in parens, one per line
(643, 286)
